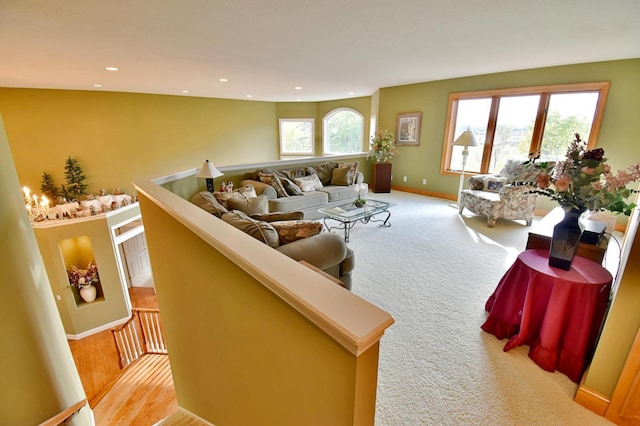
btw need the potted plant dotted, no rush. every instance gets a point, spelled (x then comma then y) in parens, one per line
(381, 149)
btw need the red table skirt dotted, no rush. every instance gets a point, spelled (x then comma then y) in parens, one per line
(557, 313)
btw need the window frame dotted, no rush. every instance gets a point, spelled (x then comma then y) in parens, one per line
(544, 92)
(327, 116)
(284, 152)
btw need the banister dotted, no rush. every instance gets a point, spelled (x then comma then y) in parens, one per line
(64, 415)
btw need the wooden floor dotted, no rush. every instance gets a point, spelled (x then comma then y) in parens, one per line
(140, 395)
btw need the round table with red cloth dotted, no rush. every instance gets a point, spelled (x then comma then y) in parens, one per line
(557, 313)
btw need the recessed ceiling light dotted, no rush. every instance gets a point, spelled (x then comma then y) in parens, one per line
(298, 87)
(185, 91)
(97, 85)
(111, 69)
(351, 93)
(224, 80)
(249, 96)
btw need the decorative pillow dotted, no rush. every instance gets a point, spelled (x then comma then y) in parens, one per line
(323, 170)
(354, 169)
(342, 176)
(477, 182)
(294, 173)
(244, 192)
(494, 184)
(290, 187)
(250, 206)
(205, 200)
(293, 230)
(273, 180)
(309, 183)
(261, 231)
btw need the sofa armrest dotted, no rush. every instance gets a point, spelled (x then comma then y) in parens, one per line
(322, 250)
(261, 188)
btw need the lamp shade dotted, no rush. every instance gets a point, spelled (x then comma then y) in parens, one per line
(208, 171)
(466, 139)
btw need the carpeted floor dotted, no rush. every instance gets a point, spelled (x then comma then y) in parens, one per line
(433, 271)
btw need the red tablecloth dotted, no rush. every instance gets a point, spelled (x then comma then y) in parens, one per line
(557, 313)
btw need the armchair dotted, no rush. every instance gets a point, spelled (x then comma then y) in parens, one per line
(498, 196)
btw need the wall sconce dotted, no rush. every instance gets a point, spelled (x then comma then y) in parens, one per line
(209, 172)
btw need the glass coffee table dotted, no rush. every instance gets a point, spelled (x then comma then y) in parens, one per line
(348, 215)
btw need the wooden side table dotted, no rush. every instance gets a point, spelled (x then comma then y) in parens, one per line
(540, 238)
(381, 177)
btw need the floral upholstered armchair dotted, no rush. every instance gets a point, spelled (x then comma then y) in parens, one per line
(498, 196)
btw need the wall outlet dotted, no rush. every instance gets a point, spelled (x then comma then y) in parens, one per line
(404, 178)
(424, 181)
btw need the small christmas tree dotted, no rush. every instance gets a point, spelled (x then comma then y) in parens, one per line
(48, 188)
(75, 179)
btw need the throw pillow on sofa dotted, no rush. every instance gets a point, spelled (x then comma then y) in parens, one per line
(344, 174)
(309, 183)
(250, 206)
(244, 192)
(290, 187)
(293, 230)
(205, 200)
(273, 180)
(261, 231)
(323, 170)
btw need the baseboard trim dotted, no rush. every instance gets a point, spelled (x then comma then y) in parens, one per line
(98, 329)
(592, 400)
(423, 192)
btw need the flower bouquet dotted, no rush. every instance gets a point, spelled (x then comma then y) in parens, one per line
(80, 278)
(584, 181)
(382, 147)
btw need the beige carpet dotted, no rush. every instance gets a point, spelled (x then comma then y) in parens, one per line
(433, 271)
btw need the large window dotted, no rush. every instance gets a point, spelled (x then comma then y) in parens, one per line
(512, 123)
(296, 136)
(343, 130)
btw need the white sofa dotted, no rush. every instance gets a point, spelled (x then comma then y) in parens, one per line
(337, 187)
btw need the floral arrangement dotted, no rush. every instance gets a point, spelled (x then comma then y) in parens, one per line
(382, 147)
(584, 181)
(80, 278)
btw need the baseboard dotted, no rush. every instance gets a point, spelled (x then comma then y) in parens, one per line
(97, 329)
(591, 399)
(423, 192)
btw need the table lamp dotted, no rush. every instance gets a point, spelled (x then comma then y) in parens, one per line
(209, 172)
(466, 139)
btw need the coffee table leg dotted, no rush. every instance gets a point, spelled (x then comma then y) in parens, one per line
(384, 223)
(346, 226)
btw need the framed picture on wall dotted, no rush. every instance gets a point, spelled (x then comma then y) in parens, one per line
(408, 131)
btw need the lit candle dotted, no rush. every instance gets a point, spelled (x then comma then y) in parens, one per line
(26, 192)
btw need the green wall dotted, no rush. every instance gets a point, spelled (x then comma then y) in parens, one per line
(121, 137)
(617, 135)
(39, 378)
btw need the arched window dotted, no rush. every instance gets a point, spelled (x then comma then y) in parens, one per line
(342, 131)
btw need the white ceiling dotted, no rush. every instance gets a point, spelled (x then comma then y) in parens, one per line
(333, 49)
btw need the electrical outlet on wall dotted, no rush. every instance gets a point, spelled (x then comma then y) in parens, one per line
(424, 181)
(404, 178)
